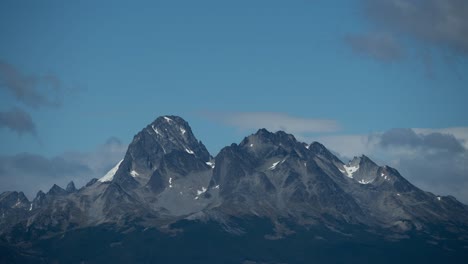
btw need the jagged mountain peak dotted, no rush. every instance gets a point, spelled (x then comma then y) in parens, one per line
(174, 133)
(70, 187)
(40, 194)
(56, 190)
(362, 160)
(164, 136)
(13, 199)
(171, 128)
(266, 143)
(365, 171)
(171, 120)
(319, 147)
(320, 150)
(278, 136)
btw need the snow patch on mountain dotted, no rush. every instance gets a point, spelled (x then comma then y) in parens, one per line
(203, 190)
(156, 130)
(189, 151)
(200, 192)
(273, 166)
(365, 181)
(350, 170)
(110, 174)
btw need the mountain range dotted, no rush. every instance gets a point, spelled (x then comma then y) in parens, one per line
(268, 199)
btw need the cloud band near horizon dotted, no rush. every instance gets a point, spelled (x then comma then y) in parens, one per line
(274, 121)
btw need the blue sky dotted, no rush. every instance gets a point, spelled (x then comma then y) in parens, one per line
(117, 65)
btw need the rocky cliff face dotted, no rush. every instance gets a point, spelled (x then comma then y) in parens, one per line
(167, 176)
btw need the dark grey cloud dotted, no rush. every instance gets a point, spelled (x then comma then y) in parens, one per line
(31, 172)
(32, 90)
(444, 173)
(18, 121)
(443, 23)
(440, 25)
(433, 141)
(378, 46)
(435, 161)
(32, 164)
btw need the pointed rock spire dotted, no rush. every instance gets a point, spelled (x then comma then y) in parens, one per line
(320, 150)
(70, 187)
(56, 190)
(165, 135)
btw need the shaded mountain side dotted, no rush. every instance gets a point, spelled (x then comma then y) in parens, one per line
(208, 242)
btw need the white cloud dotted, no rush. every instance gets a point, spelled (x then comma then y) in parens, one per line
(275, 121)
(379, 46)
(348, 146)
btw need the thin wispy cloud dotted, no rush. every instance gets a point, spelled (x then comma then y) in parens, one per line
(275, 121)
(18, 121)
(31, 90)
(32, 172)
(378, 46)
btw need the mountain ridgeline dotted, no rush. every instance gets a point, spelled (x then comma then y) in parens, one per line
(269, 199)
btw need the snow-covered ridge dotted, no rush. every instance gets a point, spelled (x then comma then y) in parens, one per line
(110, 174)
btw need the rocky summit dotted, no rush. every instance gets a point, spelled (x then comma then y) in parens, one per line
(268, 199)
